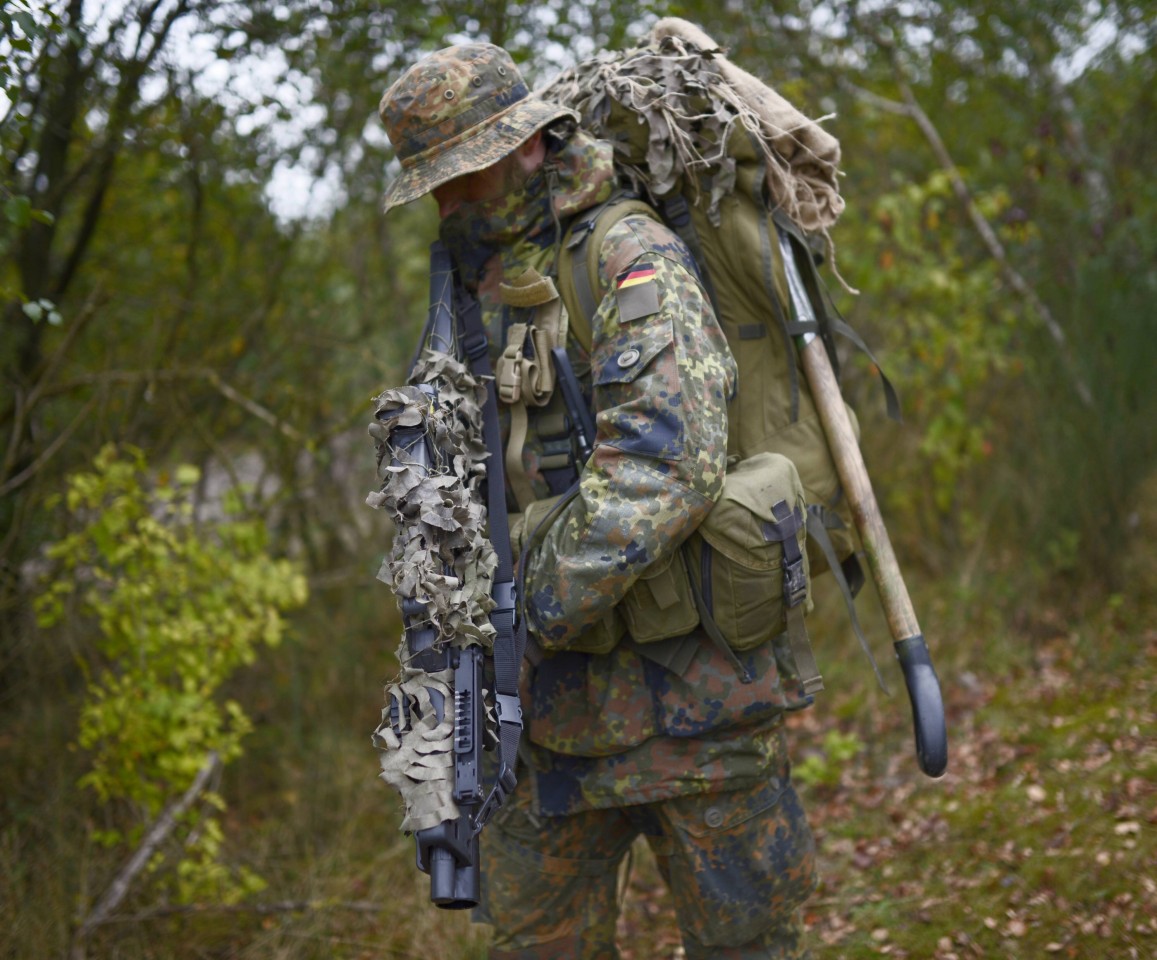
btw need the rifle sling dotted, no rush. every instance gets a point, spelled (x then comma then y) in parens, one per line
(510, 638)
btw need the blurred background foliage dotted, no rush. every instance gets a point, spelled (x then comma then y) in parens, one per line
(193, 261)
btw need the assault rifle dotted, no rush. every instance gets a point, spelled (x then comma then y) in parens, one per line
(449, 852)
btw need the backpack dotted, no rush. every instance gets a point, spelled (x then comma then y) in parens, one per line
(746, 181)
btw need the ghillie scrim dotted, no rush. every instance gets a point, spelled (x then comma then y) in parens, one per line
(431, 465)
(677, 112)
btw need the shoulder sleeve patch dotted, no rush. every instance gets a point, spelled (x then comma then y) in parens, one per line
(637, 292)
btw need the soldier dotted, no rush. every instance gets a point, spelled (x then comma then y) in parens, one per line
(626, 738)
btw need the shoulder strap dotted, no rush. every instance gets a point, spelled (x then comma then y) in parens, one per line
(582, 242)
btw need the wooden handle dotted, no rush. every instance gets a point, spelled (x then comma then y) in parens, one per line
(858, 489)
(911, 650)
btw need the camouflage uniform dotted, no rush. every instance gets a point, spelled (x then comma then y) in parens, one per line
(619, 745)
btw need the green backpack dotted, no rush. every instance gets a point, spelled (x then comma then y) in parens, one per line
(740, 214)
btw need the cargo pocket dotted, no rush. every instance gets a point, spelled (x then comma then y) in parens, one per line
(748, 559)
(740, 863)
(659, 604)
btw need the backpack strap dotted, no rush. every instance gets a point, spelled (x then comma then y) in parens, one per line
(581, 244)
(677, 215)
(826, 315)
(848, 574)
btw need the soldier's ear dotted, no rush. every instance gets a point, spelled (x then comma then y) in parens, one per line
(532, 152)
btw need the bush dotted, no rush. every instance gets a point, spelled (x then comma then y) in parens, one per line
(179, 608)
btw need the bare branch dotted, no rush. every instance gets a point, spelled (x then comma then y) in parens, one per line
(157, 835)
(260, 412)
(185, 373)
(17, 481)
(95, 300)
(24, 405)
(261, 909)
(911, 108)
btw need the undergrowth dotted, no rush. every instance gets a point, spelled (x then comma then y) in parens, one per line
(1039, 841)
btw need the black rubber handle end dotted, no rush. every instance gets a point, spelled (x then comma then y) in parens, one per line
(927, 705)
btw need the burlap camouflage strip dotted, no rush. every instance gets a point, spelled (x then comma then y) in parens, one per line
(440, 556)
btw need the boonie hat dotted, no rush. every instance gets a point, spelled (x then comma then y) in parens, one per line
(455, 112)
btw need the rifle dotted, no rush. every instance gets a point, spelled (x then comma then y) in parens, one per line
(449, 670)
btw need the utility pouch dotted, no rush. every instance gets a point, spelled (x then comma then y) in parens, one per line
(660, 604)
(748, 559)
(602, 635)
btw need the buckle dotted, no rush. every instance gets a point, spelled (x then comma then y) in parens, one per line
(509, 375)
(794, 583)
(475, 344)
(508, 708)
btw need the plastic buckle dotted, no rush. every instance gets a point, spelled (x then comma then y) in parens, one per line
(794, 583)
(509, 375)
(580, 232)
(508, 708)
(504, 595)
(475, 345)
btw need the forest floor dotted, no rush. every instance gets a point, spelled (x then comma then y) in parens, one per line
(1040, 841)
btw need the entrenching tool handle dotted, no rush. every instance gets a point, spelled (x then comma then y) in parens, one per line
(919, 675)
(927, 705)
(911, 650)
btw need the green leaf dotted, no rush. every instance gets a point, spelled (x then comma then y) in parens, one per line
(187, 475)
(18, 210)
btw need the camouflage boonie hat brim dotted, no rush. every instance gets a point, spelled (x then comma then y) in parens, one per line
(456, 112)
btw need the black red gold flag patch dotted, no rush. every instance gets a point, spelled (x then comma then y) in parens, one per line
(637, 292)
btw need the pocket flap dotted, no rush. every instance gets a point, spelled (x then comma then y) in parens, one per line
(629, 358)
(719, 818)
(735, 524)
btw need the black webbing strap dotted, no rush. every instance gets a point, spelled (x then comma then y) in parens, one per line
(703, 605)
(818, 521)
(510, 629)
(785, 530)
(828, 316)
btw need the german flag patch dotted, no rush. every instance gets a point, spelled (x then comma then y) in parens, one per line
(637, 292)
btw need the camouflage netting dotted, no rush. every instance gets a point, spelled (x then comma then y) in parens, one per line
(440, 556)
(693, 103)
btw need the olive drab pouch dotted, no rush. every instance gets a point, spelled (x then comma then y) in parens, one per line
(743, 576)
(737, 555)
(659, 604)
(748, 565)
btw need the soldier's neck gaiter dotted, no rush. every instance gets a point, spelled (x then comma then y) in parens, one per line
(576, 176)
